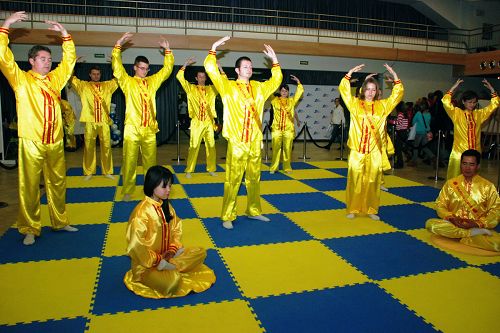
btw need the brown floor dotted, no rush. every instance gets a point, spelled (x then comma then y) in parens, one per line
(168, 152)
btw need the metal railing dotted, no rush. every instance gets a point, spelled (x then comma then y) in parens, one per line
(233, 20)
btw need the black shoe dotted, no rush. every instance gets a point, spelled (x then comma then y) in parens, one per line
(327, 147)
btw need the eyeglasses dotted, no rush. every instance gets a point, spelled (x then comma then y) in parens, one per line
(145, 69)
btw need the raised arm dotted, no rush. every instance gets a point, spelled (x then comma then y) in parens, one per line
(273, 83)
(397, 91)
(180, 74)
(211, 65)
(494, 102)
(116, 57)
(447, 104)
(345, 86)
(158, 78)
(64, 70)
(8, 64)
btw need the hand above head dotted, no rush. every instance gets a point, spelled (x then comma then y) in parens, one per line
(164, 44)
(369, 76)
(220, 42)
(189, 61)
(16, 17)
(269, 52)
(459, 82)
(124, 38)
(355, 69)
(391, 71)
(294, 78)
(56, 26)
(488, 85)
(79, 59)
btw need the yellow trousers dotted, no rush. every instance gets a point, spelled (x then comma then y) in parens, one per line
(190, 275)
(454, 164)
(282, 141)
(135, 139)
(242, 159)
(92, 130)
(35, 157)
(69, 132)
(364, 177)
(201, 131)
(447, 229)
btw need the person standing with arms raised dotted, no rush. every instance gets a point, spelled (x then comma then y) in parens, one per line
(243, 101)
(366, 141)
(140, 114)
(201, 110)
(467, 123)
(40, 128)
(96, 100)
(283, 126)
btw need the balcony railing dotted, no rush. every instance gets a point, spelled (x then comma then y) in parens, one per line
(197, 19)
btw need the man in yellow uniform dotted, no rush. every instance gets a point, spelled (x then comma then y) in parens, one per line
(140, 114)
(69, 120)
(41, 144)
(96, 100)
(367, 157)
(468, 207)
(243, 108)
(283, 128)
(201, 109)
(467, 123)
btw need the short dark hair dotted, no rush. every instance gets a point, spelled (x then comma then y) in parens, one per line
(200, 71)
(139, 59)
(33, 52)
(94, 68)
(472, 152)
(363, 87)
(154, 177)
(468, 95)
(239, 60)
(284, 86)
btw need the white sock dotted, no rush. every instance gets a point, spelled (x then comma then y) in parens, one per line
(213, 174)
(69, 228)
(188, 175)
(479, 231)
(383, 188)
(109, 176)
(87, 177)
(227, 224)
(374, 217)
(259, 217)
(271, 172)
(29, 239)
(126, 197)
(350, 216)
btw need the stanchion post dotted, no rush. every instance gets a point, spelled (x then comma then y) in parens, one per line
(342, 128)
(178, 159)
(304, 149)
(438, 152)
(394, 145)
(266, 140)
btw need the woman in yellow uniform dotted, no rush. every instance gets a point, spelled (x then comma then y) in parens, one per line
(283, 126)
(466, 123)
(366, 132)
(161, 267)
